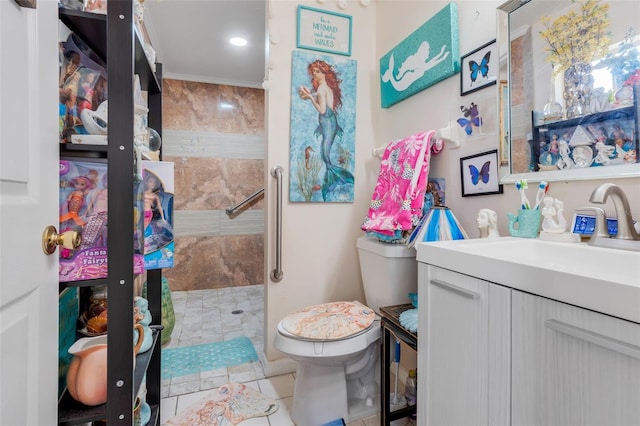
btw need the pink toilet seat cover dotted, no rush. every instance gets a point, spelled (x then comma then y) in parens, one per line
(329, 321)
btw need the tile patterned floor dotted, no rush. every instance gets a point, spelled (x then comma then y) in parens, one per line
(204, 316)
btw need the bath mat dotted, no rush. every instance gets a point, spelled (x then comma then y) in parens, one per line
(230, 404)
(194, 359)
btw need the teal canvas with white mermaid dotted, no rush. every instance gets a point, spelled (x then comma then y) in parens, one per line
(323, 125)
(428, 55)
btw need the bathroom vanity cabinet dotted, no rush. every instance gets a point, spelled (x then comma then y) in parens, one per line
(572, 365)
(464, 349)
(494, 354)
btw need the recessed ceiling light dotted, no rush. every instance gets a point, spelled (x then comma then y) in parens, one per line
(238, 41)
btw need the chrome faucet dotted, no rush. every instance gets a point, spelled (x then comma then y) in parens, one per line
(626, 230)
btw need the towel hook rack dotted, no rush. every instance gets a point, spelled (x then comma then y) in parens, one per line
(444, 134)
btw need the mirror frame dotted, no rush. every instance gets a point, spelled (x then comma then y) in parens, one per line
(506, 176)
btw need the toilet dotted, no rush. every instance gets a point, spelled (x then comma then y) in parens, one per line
(389, 272)
(336, 345)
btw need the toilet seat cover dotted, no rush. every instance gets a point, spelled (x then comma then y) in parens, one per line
(329, 321)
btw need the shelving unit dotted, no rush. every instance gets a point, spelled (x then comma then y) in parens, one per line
(114, 38)
(542, 132)
(390, 324)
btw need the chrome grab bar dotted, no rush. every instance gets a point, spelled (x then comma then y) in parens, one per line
(232, 210)
(276, 274)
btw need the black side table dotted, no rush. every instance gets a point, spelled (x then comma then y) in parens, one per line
(390, 323)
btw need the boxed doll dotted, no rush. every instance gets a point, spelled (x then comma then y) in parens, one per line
(82, 86)
(83, 208)
(158, 188)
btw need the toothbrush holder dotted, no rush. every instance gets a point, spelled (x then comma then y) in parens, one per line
(526, 224)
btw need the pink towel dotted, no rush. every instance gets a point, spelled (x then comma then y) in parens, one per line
(396, 204)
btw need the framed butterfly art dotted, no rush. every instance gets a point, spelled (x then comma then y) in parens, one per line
(479, 69)
(479, 174)
(470, 118)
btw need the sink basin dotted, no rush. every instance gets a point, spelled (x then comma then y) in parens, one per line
(578, 259)
(602, 279)
(615, 243)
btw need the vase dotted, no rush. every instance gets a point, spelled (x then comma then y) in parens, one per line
(141, 412)
(578, 85)
(87, 374)
(624, 96)
(552, 111)
(142, 316)
(168, 314)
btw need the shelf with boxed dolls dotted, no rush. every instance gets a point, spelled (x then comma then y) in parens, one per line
(93, 27)
(83, 114)
(603, 138)
(108, 49)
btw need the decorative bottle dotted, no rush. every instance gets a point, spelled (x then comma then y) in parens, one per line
(410, 388)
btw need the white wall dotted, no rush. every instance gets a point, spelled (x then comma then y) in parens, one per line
(430, 109)
(319, 256)
(320, 260)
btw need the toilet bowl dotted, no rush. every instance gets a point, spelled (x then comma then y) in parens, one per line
(336, 349)
(337, 345)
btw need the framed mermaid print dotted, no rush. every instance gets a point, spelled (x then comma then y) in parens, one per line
(323, 128)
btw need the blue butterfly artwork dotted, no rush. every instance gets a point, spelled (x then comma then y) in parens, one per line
(482, 68)
(480, 175)
(471, 118)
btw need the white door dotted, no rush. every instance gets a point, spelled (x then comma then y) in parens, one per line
(29, 154)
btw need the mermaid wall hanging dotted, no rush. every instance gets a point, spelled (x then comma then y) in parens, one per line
(427, 56)
(323, 124)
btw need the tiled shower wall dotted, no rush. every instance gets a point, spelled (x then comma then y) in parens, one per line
(215, 136)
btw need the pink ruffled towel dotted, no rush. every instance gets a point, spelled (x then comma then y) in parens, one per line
(398, 198)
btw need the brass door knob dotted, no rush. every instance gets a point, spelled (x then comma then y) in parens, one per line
(51, 239)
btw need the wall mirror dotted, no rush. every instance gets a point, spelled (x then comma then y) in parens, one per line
(570, 89)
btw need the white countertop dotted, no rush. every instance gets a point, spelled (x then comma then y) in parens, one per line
(601, 279)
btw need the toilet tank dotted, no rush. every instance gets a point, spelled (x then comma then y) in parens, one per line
(389, 272)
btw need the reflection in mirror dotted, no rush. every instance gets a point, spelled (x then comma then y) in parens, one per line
(571, 70)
